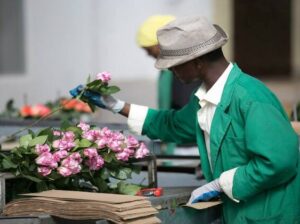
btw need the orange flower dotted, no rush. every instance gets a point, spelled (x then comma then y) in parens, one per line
(69, 104)
(25, 111)
(40, 110)
(82, 107)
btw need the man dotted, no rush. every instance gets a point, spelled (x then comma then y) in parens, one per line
(249, 151)
(172, 93)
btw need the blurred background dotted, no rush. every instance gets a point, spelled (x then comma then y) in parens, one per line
(48, 47)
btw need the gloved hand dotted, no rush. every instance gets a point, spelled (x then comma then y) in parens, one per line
(206, 192)
(106, 102)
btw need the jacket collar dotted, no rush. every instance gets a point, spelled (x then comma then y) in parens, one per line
(228, 88)
(221, 119)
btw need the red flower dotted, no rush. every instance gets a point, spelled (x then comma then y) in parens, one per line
(25, 111)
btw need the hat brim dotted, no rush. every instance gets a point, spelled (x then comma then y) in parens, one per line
(164, 62)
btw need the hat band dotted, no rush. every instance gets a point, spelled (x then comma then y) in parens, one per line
(187, 51)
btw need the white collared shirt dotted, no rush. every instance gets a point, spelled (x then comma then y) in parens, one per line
(208, 100)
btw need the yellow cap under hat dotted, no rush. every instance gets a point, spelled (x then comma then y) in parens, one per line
(146, 35)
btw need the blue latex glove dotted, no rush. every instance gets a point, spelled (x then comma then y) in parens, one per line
(206, 192)
(76, 91)
(94, 98)
(105, 102)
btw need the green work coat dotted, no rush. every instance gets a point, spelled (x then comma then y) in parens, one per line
(251, 132)
(165, 89)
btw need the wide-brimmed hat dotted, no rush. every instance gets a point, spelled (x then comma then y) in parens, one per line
(187, 38)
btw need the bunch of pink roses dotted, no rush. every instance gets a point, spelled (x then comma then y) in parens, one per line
(100, 85)
(65, 157)
(60, 156)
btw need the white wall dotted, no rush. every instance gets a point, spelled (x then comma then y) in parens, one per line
(65, 40)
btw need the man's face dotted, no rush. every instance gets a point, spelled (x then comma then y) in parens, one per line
(186, 72)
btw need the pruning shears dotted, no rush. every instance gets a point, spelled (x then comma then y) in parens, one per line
(148, 192)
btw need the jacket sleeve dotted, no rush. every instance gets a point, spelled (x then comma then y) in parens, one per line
(172, 125)
(273, 146)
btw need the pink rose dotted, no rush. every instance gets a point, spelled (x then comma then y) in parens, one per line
(90, 152)
(56, 133)
(46, 159)
(123, 156)
(72, 164)
(63, 145)
(115, 145)
(95, 163)
(132, 142)
(39, 149)
(141, 152)
(104, 76)
(68, 136)
(92, 135)
(102, 142)
(44, 171)
(106, 132)
(64, 171)
(83, 126)
(129, 151)
(57, 156)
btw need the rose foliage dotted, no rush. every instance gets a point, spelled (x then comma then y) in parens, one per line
(80, 157)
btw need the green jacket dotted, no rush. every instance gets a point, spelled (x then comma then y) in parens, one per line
(251, 131)
(165, 89)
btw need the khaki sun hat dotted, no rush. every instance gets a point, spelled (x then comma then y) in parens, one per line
(187, 38)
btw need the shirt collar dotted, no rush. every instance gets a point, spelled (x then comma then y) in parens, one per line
(214, 94)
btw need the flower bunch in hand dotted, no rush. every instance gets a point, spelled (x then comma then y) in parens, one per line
(74, 157)
(100, 86)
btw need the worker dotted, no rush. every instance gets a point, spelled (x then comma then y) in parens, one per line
(172, 93)
(249, 151)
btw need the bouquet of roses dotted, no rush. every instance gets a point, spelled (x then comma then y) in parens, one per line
(74, 157)
(100, 85)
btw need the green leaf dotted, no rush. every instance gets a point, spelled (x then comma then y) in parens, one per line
(84, 143)
(54, 175)
(31, 133)
(127, 170)
(8, 164)
(92, 106)
(25, 139)
(32, 167)
(136, 169)
(32, 178)
(112, 89)
(38, 140)
(101, 184)
(130, 189)
(88, 80)
(76, 130)
(94, 83)
(46, 131)
(113, 185)
(104, 173)
(119, 174)
(65, 125)
(41, 186)
(108, 157)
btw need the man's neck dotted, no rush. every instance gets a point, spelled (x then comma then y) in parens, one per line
(214, 71)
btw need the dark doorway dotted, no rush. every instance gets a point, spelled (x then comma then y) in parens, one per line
(262, 37)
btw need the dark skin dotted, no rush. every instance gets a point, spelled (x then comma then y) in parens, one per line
(152, 51)
(197, 69)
